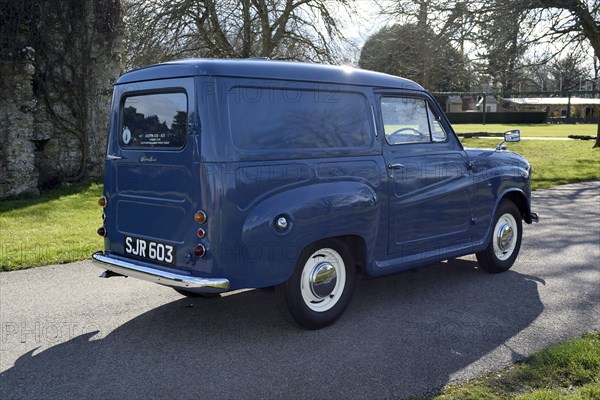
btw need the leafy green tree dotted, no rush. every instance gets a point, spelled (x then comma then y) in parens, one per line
(397, 50)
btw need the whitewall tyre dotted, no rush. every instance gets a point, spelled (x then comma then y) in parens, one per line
(505, 241)
(321, 287)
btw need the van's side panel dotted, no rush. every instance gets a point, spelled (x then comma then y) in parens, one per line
(323, 192)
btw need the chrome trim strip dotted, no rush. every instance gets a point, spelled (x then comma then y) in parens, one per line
(374, 120)
(191, 283)
(111, 157)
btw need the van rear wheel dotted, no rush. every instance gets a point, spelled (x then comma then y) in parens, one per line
(321, 287)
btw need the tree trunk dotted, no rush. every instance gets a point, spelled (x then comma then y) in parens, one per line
(597, 144)
(422, 27)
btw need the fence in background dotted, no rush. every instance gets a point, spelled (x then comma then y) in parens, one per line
(520, 107)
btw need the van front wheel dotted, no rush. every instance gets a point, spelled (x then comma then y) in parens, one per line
(321, 287)
(502, 251)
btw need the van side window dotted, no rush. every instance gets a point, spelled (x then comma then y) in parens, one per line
(268, 118)
(438, 134)
(410, 120)
(154, 120)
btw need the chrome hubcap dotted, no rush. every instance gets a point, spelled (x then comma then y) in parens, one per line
(323, 280)
(505, 236)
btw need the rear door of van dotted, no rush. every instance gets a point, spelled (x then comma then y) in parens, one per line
(150, 183)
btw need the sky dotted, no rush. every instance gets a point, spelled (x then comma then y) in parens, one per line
(368, 22)
(358, 28)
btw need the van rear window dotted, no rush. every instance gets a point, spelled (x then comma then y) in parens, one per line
(291, 118)
(154, 120)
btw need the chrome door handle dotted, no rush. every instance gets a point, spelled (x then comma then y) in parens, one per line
(395, 166)
(110, 157)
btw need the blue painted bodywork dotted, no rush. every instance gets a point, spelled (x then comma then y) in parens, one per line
(440, 205)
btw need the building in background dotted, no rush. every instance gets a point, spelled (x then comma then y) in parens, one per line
(557, 107)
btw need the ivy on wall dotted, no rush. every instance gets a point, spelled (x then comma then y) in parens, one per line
(73, 47)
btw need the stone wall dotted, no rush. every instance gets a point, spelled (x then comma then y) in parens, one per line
(18, 173)
(56, 83)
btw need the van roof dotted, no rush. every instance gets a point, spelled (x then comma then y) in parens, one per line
(263, 68)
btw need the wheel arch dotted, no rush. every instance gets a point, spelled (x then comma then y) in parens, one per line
(357, 246)
(339, 210)
(517, 197)
(520, 200)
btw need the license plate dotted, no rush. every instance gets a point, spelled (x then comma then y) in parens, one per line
(150, 250)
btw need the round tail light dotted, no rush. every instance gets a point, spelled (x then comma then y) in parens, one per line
(102, 202)
(199, 251)
(102, 231)
(201, 233)
(200, 217)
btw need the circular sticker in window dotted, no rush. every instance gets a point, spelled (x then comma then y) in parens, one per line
(126, 135)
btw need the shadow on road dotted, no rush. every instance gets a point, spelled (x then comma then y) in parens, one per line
(572, 211)
(402, 335)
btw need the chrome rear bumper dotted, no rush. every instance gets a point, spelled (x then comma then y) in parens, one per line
(187, 282)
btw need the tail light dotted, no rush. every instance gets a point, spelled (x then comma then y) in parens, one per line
(200, 217)
(102, 202)
(199, 251)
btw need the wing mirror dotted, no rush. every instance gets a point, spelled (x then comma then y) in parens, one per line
(509, 137)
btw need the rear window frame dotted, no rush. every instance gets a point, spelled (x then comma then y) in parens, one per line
(122, 100)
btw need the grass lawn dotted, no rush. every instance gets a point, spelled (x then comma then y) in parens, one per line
(554, 162)
(568, 370)
(56, 227)
(534, 130)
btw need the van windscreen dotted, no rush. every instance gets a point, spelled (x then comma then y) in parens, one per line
(156, 120)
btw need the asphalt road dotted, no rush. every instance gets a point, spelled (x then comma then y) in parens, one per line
(67, 334)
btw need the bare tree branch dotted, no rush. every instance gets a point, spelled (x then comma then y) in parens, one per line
(159, 30)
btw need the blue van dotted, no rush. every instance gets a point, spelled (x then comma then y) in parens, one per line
(230, 174)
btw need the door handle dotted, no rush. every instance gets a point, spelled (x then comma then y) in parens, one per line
(396, 166)
(111, 157)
